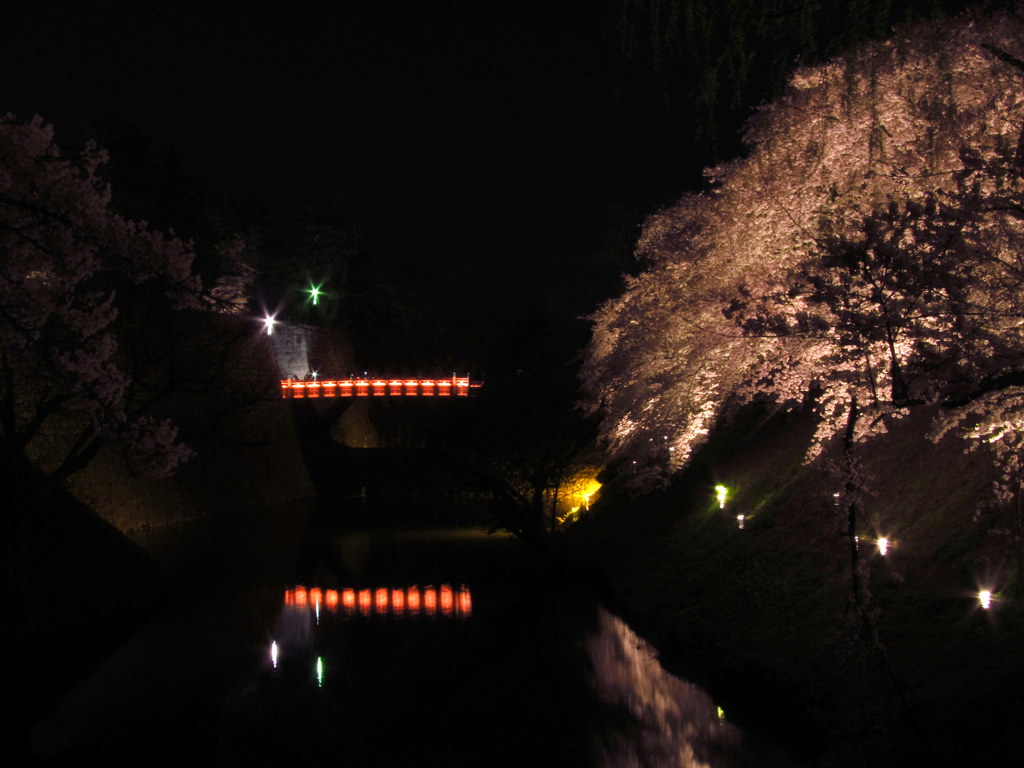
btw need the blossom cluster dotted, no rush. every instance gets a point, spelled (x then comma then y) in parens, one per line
(73, 277)
(867, 249)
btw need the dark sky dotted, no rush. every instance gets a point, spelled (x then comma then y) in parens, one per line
(489, 150)
(482, 144)
(401, 105)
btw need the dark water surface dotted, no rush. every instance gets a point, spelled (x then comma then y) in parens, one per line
(400, 648)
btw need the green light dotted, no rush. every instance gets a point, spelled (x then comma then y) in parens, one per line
(314, 293)
(320, 671)
(721, 492)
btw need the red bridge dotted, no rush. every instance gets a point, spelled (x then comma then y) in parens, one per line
(459, 386)
(384, 601)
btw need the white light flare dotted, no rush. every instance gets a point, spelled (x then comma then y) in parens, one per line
(273, 654)
(320, 671)
(740, 520)
(985, 598)
(883, 545)
(269, 321)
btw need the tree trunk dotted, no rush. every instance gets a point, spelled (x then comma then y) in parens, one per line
(852, 493)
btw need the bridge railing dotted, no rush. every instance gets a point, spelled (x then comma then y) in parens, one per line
(298, 389)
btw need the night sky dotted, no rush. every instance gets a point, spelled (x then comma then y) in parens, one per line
(484, 150)
(492, 159)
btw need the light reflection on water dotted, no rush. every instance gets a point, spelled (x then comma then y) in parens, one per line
(380, 663)
(675, 722)
(383, 601)
(300, 614)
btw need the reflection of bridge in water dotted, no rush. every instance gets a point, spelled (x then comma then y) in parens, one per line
(396, 602)
(458, 386)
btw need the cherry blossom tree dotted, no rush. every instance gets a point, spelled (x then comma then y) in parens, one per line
(865, 255)
(80, 288)
(875, 212)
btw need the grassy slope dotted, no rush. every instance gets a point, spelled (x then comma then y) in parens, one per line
(757, 615)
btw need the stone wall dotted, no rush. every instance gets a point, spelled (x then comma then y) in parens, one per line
(302, 349)
(252, 460)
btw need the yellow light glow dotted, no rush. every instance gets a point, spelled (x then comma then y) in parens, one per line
(721, 493)
(590, 488)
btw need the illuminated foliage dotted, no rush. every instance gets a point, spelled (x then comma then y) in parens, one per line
(76, 282)
(867, 249)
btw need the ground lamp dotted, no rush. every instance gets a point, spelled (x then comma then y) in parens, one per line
(721, 493)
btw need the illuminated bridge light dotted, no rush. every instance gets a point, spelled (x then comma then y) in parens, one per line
(460, 386)
(464, 602)
(397, 602)
(365, 602)
(446, 599)
(413, 594)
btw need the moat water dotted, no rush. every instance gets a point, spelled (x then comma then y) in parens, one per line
(445, 646)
